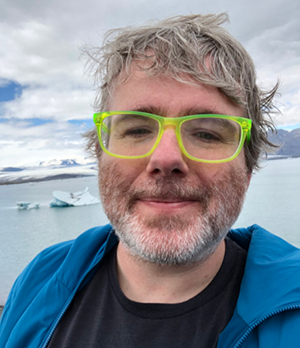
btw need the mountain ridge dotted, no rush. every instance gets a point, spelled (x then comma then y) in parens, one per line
(289, 142)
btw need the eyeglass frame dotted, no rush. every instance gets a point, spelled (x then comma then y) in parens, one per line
(245, 124)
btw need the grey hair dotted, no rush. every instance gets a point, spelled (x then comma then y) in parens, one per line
(179, 47)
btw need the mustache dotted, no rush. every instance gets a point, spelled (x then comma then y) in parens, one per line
(168, 190)
(181, 188)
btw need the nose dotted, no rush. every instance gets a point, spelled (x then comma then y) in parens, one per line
(168, 159)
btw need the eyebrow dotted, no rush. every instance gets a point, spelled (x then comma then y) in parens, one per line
(122, 117)
(157, 110)
(231, 127)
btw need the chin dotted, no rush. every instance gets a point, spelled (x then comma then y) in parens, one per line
(170, 240)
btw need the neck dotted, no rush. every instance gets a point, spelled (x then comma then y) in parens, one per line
(147, 282)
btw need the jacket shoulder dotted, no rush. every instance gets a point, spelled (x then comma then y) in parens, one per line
(49, 267)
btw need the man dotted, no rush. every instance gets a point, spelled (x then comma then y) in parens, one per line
(180, 130)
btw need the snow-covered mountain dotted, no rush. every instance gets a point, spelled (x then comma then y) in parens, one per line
(67, 162)
(54, 162)
(48, 170)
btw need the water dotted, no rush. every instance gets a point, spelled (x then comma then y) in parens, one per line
(24, 233)
(273, 201)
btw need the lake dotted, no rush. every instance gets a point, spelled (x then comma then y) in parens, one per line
(273, 201)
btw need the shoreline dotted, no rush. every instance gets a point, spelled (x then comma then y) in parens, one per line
(47, 178)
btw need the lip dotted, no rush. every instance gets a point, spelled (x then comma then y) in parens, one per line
(166, 204)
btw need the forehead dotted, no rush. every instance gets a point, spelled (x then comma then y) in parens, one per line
(167, 96)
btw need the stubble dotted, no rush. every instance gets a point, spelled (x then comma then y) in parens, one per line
(176, 239)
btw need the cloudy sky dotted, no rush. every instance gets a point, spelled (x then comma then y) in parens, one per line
(45, 99)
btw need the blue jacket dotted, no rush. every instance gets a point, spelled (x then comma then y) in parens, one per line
(267, 312)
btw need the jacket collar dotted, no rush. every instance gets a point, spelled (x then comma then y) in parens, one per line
(271, 281)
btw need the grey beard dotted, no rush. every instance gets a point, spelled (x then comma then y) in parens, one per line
(173, 240)
(193, 249)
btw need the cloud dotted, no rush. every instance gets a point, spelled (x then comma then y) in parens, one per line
(21, 143)
(40, 50)
(51, 102)
(35, 53)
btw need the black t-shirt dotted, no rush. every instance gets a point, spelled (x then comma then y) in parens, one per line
(101, 316)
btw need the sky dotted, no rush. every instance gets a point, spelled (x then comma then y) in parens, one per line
(45, 97)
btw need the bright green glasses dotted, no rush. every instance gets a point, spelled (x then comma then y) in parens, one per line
(203, 138)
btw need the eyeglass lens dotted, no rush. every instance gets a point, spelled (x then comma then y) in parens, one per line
(204, 138)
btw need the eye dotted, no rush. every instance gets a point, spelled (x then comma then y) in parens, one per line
(203, 135)
(137, 132)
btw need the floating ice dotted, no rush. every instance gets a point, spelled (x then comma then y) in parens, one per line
(68, 199)
(27, 205)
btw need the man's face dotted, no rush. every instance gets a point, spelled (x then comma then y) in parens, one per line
(167, 208)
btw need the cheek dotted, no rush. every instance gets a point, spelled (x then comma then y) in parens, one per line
(129, 170)
(208, 172)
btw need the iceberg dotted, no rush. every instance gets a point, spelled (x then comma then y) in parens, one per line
(68, 199)
(27, 205)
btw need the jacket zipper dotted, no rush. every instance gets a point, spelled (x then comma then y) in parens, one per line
(62, 313)
(253, 326)
(70, 300)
